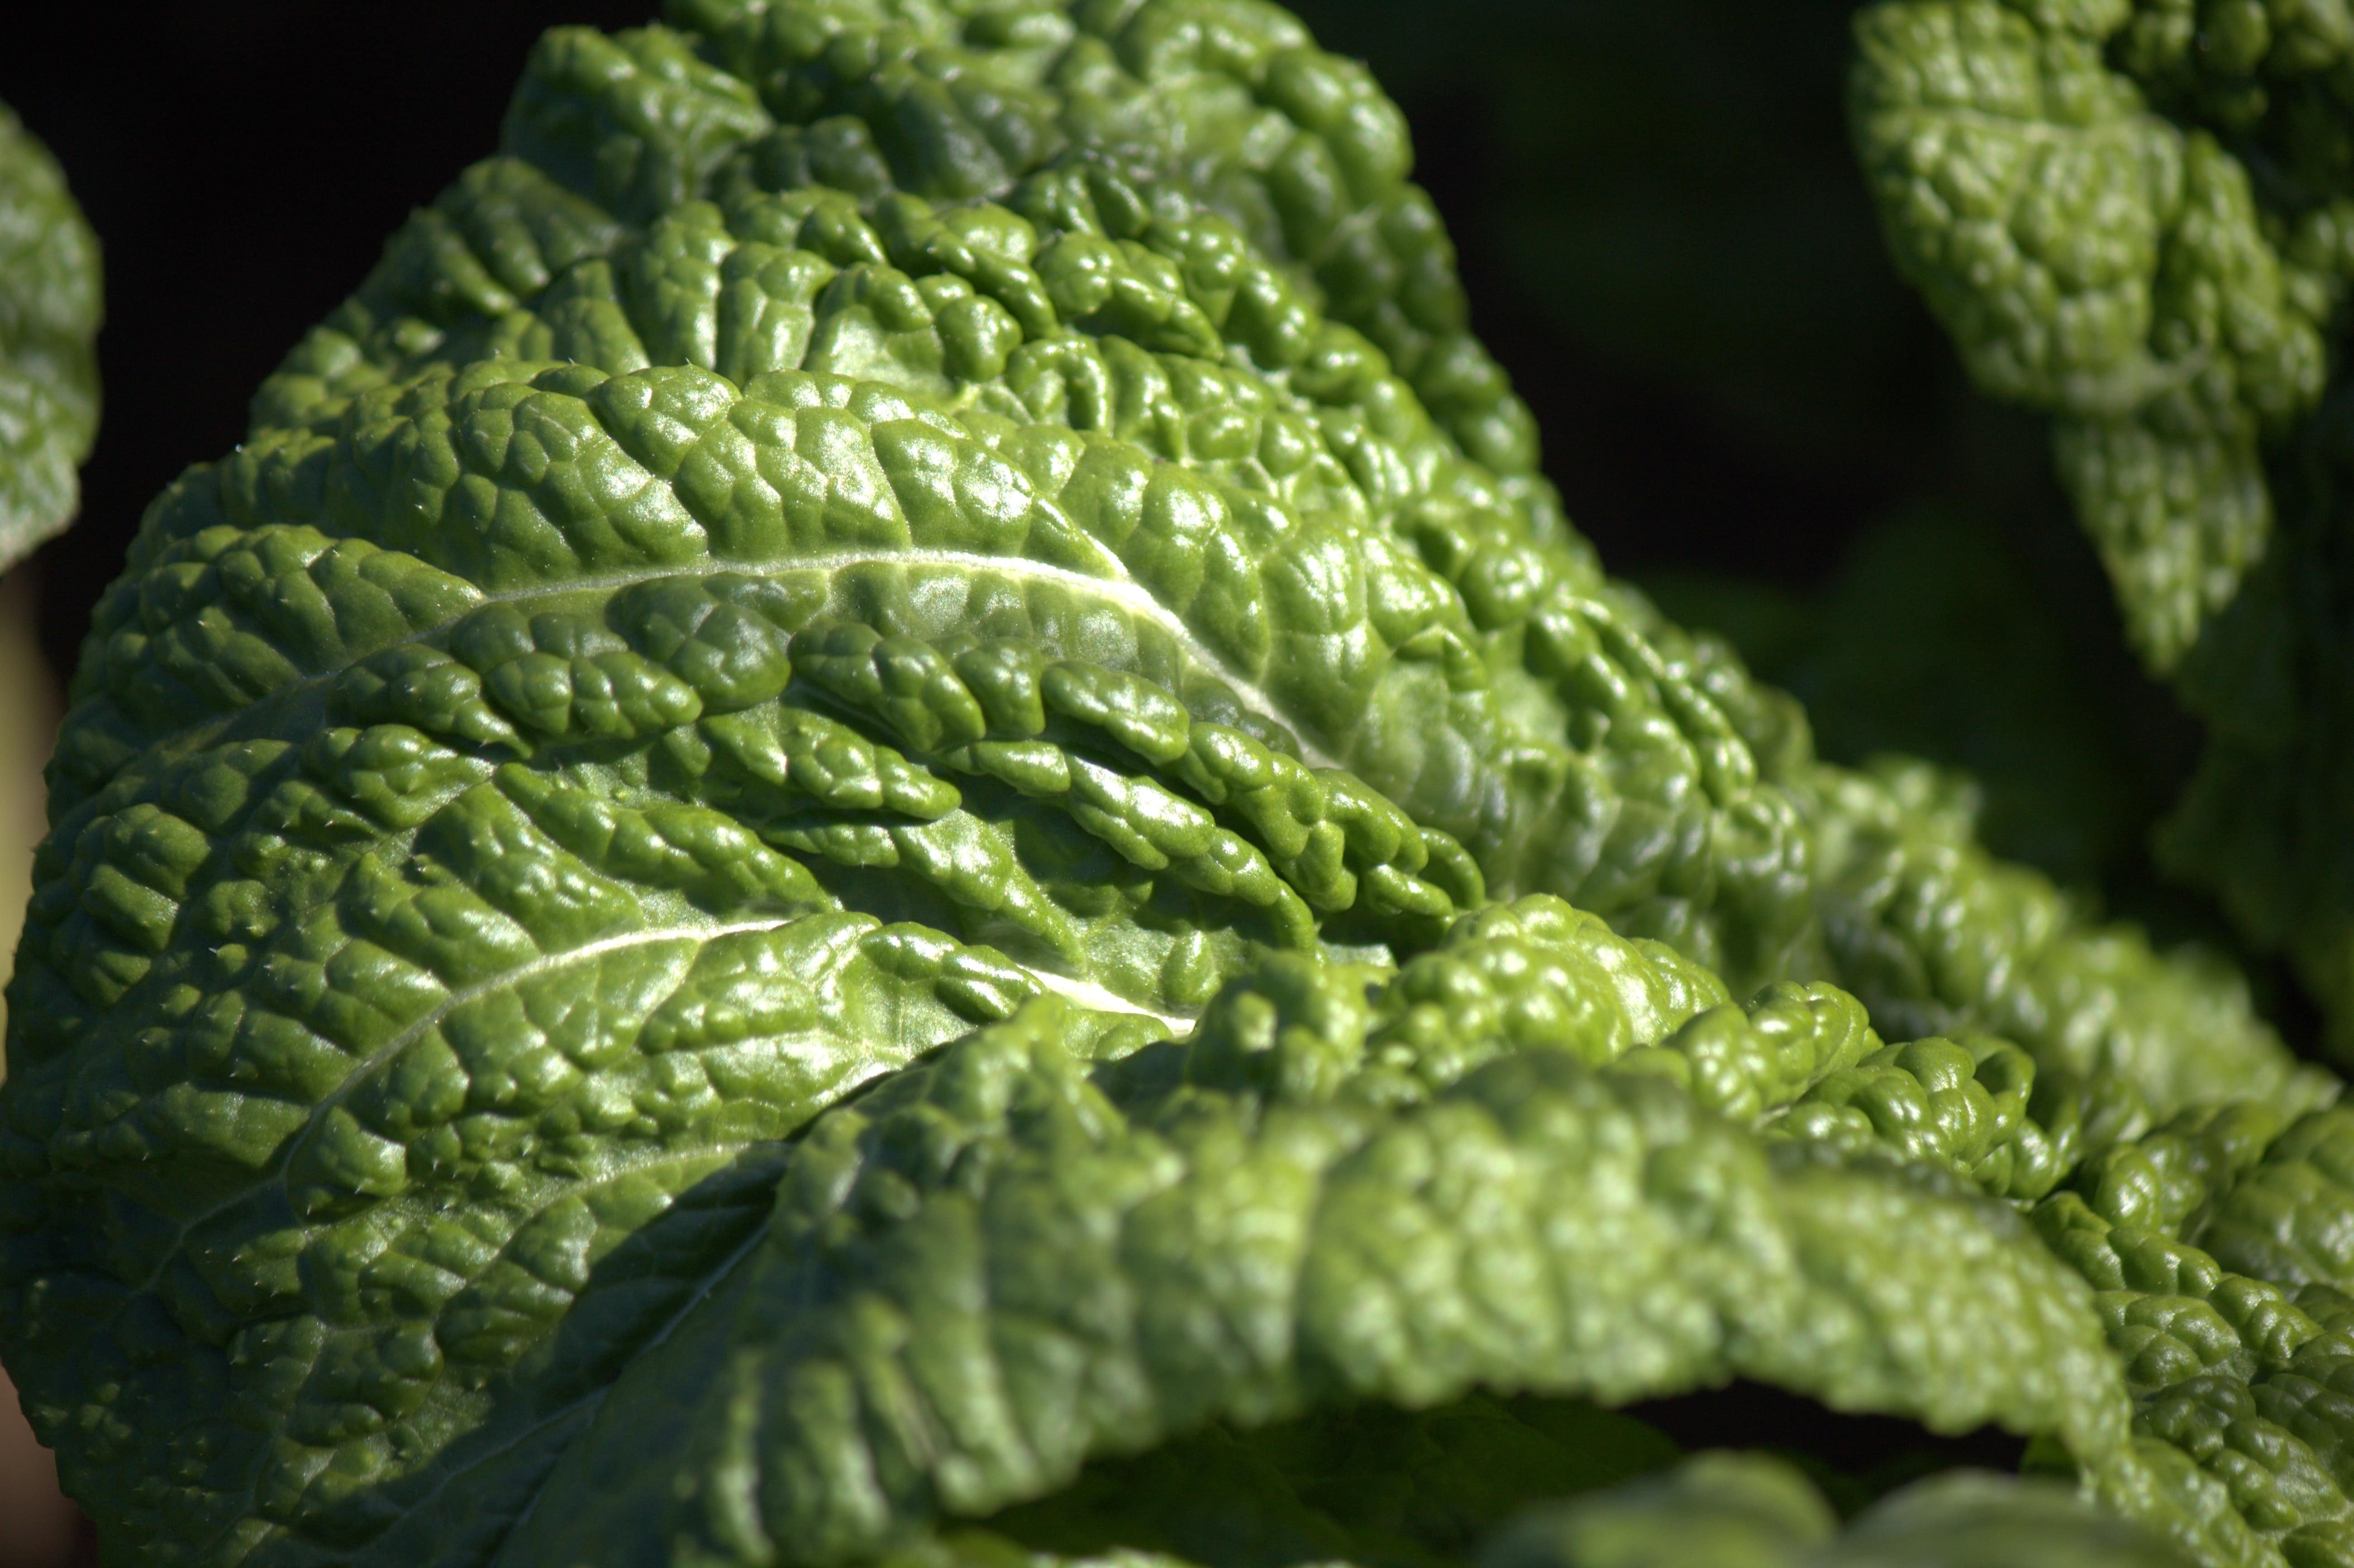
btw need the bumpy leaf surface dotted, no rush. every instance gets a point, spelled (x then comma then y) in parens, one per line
(885, 782)
(2135, 215)
(2097, 259)
(49, 305)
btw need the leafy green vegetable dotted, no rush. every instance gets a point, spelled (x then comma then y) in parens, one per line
(49, 307)
(1051, 1277)
(2134, 217)
(885, 782)
(2099, 260)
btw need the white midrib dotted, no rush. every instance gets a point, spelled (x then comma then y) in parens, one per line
(1121, 588)
(1086, 993)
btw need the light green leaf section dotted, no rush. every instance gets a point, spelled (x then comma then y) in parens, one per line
(2215, 1245)
(49, 309)
(886, 777)
(1717, 1511)
(1732, 1510)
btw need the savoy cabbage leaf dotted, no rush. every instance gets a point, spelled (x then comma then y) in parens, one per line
(886, 784)
(2133, 215)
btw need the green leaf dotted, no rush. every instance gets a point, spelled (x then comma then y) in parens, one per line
(1718, 1511)
(2098, 261)
(49, 309)
(2134, 217)
(990, 1270)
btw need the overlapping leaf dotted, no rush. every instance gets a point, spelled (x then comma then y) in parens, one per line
(49, 307)
(2134, 217)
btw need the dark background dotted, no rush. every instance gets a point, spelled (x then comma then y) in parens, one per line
(1665, 239)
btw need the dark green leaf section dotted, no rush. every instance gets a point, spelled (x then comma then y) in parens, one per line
(1940, 637)
(49, 309)
(2135, 216)
(2262, 819)
(1717, 1511)
(1370, 1485)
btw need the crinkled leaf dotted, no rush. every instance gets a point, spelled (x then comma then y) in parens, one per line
(2097, 261)
(2135, 217)
(907, 650)
(989, 1270)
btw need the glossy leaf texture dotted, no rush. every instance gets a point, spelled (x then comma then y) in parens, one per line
(49, 309)
(886, 777)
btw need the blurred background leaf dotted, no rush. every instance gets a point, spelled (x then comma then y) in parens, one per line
(49, 307)
(1667, 243)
